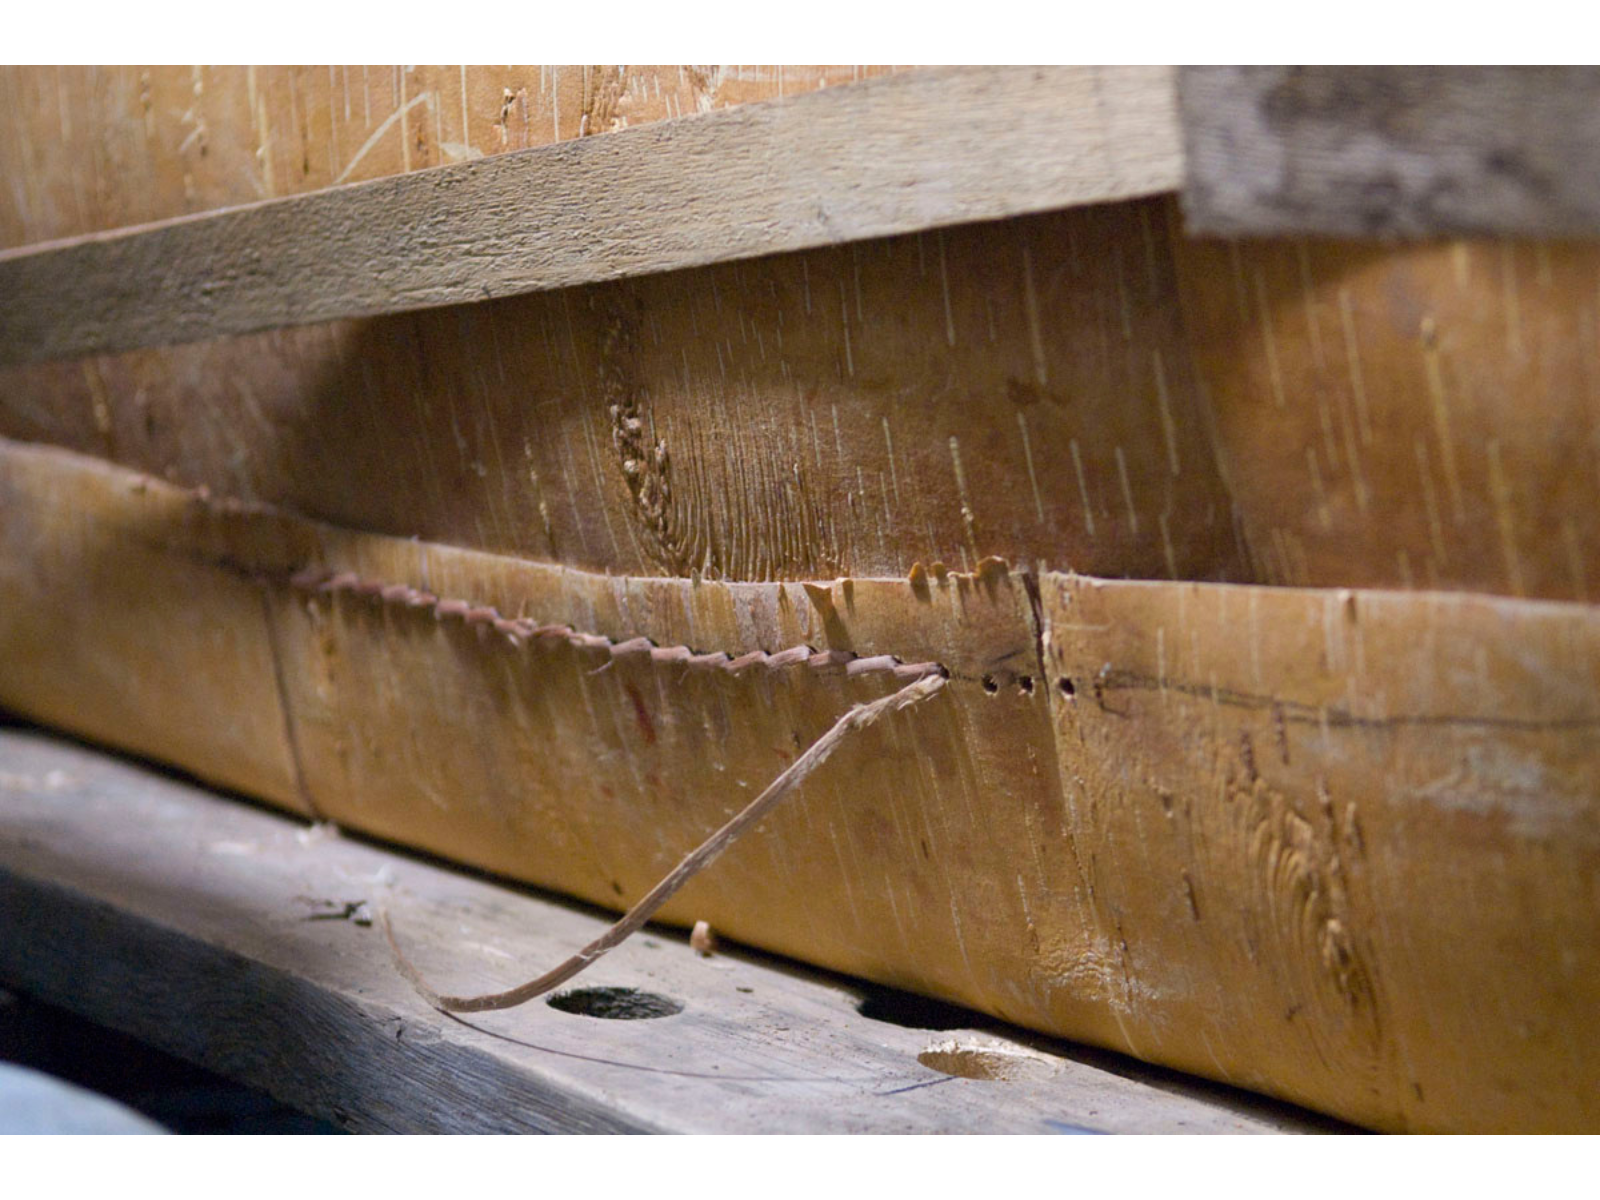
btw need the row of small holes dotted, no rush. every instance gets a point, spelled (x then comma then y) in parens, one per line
(1024, 682)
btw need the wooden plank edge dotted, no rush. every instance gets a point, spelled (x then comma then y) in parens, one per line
(891, 155)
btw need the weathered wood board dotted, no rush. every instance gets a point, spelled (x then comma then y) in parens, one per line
(243, 941)
(913, 151)
(1266, 150)
(1387, 151)
(1296, 840)
(94, 148)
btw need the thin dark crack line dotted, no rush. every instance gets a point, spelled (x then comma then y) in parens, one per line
(612, 1062)
(1300, 713)
(291, 737)
(914, 1086)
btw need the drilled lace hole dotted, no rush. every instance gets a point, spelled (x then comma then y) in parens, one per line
(990, 685)
(615, 1003)
(1067, 689)
(981, 1062)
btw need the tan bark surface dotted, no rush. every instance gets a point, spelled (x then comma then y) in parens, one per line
(1368, 818)
(1337, 847)
(1405, 416)
(1016, 388)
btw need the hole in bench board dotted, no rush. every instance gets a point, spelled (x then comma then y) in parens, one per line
(980, 1062)
(615, 1003)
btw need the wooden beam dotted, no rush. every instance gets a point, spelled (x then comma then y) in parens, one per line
(890, 155)
(243, 941)
(1392, 151)
(1261, 151)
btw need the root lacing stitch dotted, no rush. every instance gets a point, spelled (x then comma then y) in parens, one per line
(520, 630)
(919, 681)
(701, 857)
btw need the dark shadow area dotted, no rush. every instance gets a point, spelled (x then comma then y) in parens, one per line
(177, 1095)
(911, 1011)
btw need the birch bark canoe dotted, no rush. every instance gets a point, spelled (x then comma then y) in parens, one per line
(1338, 847)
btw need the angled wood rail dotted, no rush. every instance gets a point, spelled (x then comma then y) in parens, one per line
(890, 155)
(1417, 152)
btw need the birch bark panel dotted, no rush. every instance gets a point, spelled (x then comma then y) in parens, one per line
(106, 632)
(1076, 389)
(98, 148)
(597, 781)
(583, 773)
(1405, 416)
(1019, 389)
(1369, 818)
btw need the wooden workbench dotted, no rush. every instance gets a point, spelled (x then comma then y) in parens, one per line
(242, 940)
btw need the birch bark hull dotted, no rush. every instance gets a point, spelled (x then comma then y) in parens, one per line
(1337, 847)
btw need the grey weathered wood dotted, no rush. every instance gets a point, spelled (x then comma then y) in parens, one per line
(891, 155)
(1392, 151)
(190, 921)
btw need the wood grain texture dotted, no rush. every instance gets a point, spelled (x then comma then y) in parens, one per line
(1391, 151)
(1339, 847)
(211, 929)
(1017, 388)
(913, 151)
(95, 148)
